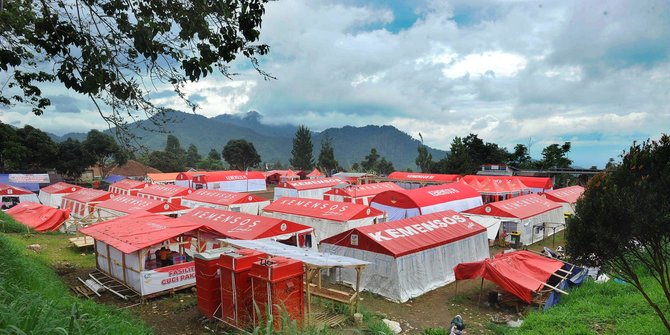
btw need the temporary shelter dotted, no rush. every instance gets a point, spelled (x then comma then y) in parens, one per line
(12, 195)
(279, 176)
(315, 174)
(230, 201)
(81, 203)
(328, 218)
(411, 180)
(122, 205)
(162, 178)
(412, 256)
(355, 177)
(309, 188)
(360, 194)
(28, 181)
(52, 195)
(169, 193)
(39, 217)
(527, 215)
(127, 187)
(125, 249)
(231, 181)
(534, 184)
(243, 226)
(567, 197)
(425, 200)
(185, 179)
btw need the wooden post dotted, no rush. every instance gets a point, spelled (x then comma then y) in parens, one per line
(123, 266)
(481, 287)
(319, 280)
(109, 261)
(358, 287)
(308, 280)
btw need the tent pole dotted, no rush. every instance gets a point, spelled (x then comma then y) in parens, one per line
(481, 287)
(358, 287)
(456, 288)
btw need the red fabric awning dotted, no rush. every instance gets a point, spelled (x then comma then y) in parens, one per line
(86, 195)
(521, 207)
(39, 217)
(223, 197)
(323, 209)
(131, 204)
(426, 196)
(567, 194)
(60, 187)
(519, 272)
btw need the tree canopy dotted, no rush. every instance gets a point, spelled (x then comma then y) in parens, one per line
(116, 52)
(302, 149)
(241, 155)
(327, 159)
(621, 222)
(73, 160)
(104, 150)
(374, 163)
(26, 149)
(424, 160)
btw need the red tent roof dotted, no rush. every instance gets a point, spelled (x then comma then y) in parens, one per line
(424, 177)
(129, 184)
(426, 196)
(310, 184)
(315, 173)
(364, 190)
(521, 207)
(519, 272)
(533, 182)
(323, 209)
(566, 194)
(231, 175)
(61, 187)
(189, 175)
(166, 191)
(407, 236)
(491, 186)
(137, 231)
(86, 195)
(222, 197)
(12, 190)
(242, 226)
(39, 217)
(158, 177)
(132, 204)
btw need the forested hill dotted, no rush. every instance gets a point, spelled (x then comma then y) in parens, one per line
(274, 143)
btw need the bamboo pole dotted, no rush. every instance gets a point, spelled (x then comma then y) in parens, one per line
(358, 287)
(481, 287)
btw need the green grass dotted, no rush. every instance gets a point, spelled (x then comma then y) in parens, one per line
(33, 299)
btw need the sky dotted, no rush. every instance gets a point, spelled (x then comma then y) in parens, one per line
(595, 73)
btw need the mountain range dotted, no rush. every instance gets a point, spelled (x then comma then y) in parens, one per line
(274, 142)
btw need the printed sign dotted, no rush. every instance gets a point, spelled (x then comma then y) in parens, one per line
(168, 277)
(41, 178)
(418, 228)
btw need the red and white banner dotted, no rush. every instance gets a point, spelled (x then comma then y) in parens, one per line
(168, 277)
(41, 178)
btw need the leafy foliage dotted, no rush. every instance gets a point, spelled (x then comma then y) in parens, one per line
(622, 220)
(73, 160)
(193, 157)
(327, 159)
(241, 155)
(104, 150)
(26, 150)
(424, 160)
(374, 163)
(302, 149)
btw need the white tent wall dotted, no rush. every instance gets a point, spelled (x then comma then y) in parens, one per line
(248, 185)
(115, 259)
(492, 224)
(325, 228)
(396, 213)
(457, 205)
(101, 250)
(568, 208)
(316, 193)
(408, 185)
(285, 192)
(105, 213)
(254, 208)
(532, 229)
(133, 271)
(256, 185)
(406, 277)
(49, 199)
(183, 183)
(28, 198)
(333, 197)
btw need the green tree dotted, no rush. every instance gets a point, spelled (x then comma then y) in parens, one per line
(214, 155)
(622, 224)
(174, 149)
(302, 149)
(327, 156)
(73, 160)
(424, 160)
(112, 51)
(520, 158)
(483, 153)
(165, 162)
(192, 156)
(555, 156)
(241, 155)
(104, 150)
(12, 151)
(458, 160)
(371, 161)
(385, 167)
(43, 152)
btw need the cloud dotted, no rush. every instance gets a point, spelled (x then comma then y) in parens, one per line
(65, 104)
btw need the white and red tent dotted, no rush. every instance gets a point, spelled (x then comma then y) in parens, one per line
(165, 192)
(127, 187)
(328, 218)
(52, 195)
(425, 200)
(125, 249)
(243, 226)
(280, 176)
(82, 202)
(360, 194)
(231, 181)
(411, 180)
(122, 205)
(532, 184)
(162, 178)
(229, 201)
(567, 197)
(315, 174)
(12, 194)
(533, 216)
(412, 256)
(185, 179)
(308, 188)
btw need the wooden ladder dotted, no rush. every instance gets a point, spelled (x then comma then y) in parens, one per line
(114, 286)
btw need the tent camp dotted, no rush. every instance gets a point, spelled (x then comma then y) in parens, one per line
(412, 180)
(231, 181)
(39, 217)
(229, 201)
(127, 187)
(168, 193)
(315, 174)
(532, 216)
(533, 184)
(12, 195)
(52, 195)
(122, 205)
(243, 226)
(127, 247)
(356, 178)
(328, 218)
(162, 178)
(309, 188)
(185, 179)
(425, 200)
(360, 194)
(81, 203)
(274, 177)
(412, 256)
(567, 197)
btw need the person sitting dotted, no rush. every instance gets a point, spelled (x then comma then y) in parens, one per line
(457, 325)
(164, 255)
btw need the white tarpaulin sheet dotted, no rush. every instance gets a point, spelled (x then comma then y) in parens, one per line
(492, 224)
(310, 257)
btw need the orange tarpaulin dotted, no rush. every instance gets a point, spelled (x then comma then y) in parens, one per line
(39, 217)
